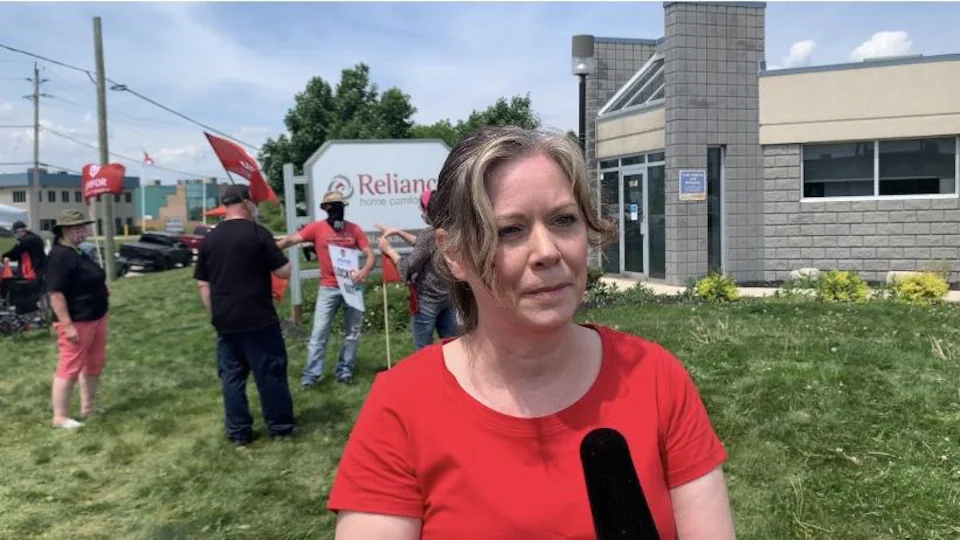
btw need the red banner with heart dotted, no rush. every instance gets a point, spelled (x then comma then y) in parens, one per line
(99, 180)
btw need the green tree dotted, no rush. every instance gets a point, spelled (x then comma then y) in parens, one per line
(517, 111)
(355, 109)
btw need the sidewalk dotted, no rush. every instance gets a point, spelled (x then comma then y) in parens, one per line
(754, 292)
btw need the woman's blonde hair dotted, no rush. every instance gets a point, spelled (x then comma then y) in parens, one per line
(462, 208)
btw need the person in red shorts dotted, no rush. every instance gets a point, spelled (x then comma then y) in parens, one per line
(478, 437)
(79, 298)
(337, 231)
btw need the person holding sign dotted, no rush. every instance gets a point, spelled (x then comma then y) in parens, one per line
(338, 245)
(434, 309)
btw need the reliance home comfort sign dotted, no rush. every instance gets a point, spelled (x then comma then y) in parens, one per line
(381, 180)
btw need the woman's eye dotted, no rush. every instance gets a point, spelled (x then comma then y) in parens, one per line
(566, 220)
(507, 231)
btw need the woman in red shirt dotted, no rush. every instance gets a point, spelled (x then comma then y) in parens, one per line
(478, 437)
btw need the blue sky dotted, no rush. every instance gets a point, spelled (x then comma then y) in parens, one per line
(237, 66)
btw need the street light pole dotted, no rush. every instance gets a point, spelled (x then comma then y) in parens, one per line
(107, 202)
(583, 62)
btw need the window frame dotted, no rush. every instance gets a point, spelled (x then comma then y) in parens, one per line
(876, 174)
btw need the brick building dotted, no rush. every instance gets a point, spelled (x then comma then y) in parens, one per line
(709, 161)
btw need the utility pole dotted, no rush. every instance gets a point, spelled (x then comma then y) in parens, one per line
(107, 202)
(33, 206)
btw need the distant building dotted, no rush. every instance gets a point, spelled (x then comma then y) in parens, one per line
(60, 191)
(164, 206)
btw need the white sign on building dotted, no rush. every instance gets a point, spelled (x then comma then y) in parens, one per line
(381, 179)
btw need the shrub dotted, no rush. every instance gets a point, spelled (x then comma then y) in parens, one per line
(716, 287)
(925, 289)
(799, 287)
(842, 286)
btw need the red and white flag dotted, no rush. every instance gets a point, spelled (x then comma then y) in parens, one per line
(234, 159)
(147, 160)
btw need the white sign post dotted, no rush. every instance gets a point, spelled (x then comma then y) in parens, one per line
(344, 261)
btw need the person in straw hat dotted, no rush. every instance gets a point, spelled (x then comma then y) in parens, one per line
(77, 286)
(336, 231)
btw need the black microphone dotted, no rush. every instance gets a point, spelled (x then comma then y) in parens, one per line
(617, 503)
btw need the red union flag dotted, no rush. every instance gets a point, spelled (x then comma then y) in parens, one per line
(236, 160)
(98, 180)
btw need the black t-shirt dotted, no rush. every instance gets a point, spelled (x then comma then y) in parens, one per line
(81, 281)
(237, 258)
(31, 245)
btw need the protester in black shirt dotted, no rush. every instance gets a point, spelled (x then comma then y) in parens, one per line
(79, 298)
(233, 272)
(28, 252)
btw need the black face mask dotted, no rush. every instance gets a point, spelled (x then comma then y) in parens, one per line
(335, 216)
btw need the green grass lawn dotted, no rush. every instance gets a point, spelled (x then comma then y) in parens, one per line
(841, 422)
(6, 243)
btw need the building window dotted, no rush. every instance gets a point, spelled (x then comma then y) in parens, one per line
(51, 196)
(127, 196)
(918, 167)
(645, 88)
(78, 196)
(116, 198)
(65, 196)
(19, 196)
(47, 224)
(907, 167)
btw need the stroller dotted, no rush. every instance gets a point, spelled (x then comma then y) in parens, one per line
(23, 306)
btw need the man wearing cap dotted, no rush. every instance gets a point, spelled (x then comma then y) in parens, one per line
(233, 272)
(28, 252)
(335, 230)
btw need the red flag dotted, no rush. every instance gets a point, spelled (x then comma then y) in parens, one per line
(147, 160)
(97, 180)
(236, 160)
(278, 287)
(390, 274)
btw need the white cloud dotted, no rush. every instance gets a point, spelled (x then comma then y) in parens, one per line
(883, 44)
(799, 55)
(5, 106)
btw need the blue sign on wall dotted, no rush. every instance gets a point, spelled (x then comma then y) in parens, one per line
(693, 185)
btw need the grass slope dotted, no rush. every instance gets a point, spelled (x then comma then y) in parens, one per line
(841, 422)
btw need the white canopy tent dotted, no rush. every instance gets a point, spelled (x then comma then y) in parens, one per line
(9, 214)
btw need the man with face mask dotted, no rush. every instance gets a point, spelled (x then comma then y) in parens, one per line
(335, 230)
(233, 272)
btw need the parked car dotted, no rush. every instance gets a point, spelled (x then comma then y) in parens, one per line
(151, 256)
(120, 266)
(179, 252)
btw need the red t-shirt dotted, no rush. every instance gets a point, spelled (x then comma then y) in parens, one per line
(422, 447)
(321, 234)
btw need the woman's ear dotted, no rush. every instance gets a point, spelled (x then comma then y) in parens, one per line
(453, 263)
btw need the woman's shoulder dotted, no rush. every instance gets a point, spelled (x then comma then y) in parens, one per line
(413, 375)
(631, 351)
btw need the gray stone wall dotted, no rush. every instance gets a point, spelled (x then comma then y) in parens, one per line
(872, 237)
(712, 58)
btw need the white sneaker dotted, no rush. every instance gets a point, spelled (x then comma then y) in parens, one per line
(69, 423)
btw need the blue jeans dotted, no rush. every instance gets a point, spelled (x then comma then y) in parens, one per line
(428, 318)
(329, 300)
(264, 353)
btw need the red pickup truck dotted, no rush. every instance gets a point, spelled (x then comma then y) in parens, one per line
(193, 241)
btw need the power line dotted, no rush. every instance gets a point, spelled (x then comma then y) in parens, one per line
(121, 156)
(14, 127)
(124, 88)
(69, 170)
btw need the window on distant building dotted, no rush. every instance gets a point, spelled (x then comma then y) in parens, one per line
(127, 197)
(19, 196)
(78, 196)
(65, 196)
(905, 167)
(47, 224)
(51, 196)
(116, 198)
(646, 87)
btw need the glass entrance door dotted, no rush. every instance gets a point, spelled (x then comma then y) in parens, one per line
(633, 221)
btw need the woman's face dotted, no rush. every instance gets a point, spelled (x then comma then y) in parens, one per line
(541, 257)
(76, 235)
